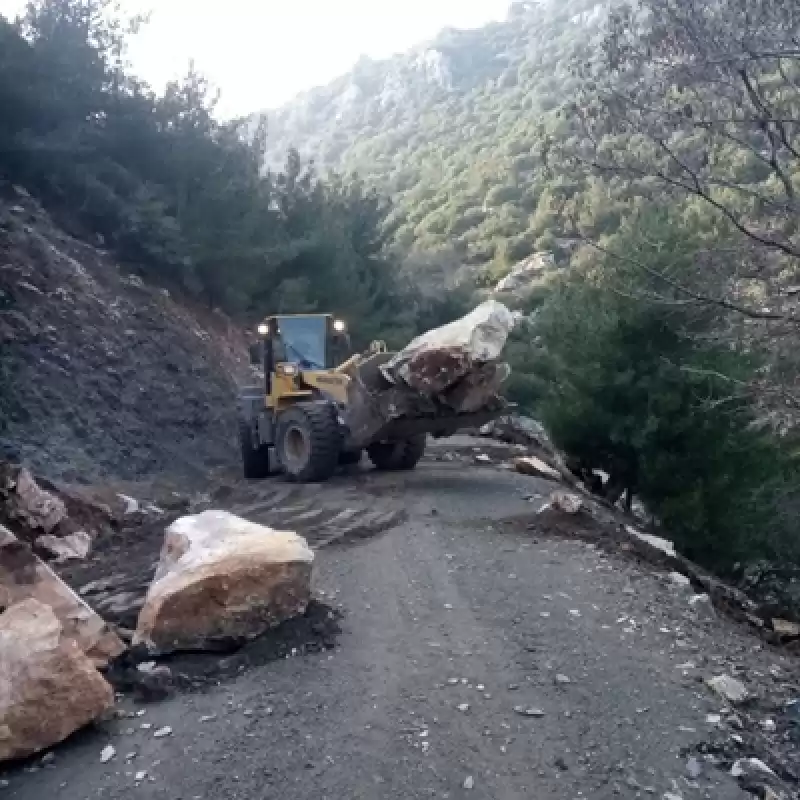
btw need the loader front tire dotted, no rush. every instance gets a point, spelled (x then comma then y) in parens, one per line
(308, 442)
(404, 455)
(255, 460)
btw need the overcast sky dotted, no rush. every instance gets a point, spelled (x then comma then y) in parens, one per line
(260, 53)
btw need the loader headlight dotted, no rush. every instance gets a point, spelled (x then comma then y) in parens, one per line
(263, 329)
(289, 370)
(339, 325)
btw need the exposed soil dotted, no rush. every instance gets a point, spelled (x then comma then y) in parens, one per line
(101, 375)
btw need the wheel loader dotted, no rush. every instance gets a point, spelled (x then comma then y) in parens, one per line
(317, 406)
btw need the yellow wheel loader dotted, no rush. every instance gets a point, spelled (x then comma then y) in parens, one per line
(317, 407)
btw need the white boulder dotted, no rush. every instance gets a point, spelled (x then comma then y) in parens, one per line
(222, 579)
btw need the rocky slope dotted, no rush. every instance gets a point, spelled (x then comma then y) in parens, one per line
(101, 375)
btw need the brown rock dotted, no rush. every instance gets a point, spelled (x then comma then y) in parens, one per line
(24, 576)
(48, 688)
(222, 579)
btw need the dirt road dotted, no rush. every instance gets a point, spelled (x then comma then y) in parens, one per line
(476, 661)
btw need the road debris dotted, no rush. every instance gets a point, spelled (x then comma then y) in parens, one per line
(162, 732)
(528, 711)
(536, 468)
(108, 752)
(733, 690)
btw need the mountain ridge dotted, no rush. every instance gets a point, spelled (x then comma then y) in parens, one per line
(452, 129)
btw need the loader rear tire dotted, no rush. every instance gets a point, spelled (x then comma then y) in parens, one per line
(392, 456)
(308, 442)
(255, 460)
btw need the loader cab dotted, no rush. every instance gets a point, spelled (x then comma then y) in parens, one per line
(302, 342)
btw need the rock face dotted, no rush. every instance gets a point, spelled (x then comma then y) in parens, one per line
(221, 580)
(48, 687)
(23, 577)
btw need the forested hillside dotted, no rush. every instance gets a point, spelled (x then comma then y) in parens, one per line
(455, 131)
(654, 149)
(174, 192)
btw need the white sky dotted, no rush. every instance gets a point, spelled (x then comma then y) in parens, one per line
(260, 53)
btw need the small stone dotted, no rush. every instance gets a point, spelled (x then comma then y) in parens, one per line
(528, 711)
(732, 690)
(679, 579)
(628, 590)
(694, 769)
(768, 725)
(140, 776)
(208, 717)
(463, 707)
(544, 614)
(145, 726)
(4, 784)
(452, 681)
(107, 753)
(47, 758)
(162, 732)
(745, 765)
(563, 679)
(573, 612)
(480, 687)
(469, 782)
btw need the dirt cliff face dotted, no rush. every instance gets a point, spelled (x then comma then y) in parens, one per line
(102, 375)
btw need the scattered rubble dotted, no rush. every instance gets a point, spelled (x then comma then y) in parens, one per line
(73, 546)
(223, 580)
(50, 688)
(28, 505)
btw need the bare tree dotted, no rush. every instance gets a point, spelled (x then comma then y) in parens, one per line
(701, 99)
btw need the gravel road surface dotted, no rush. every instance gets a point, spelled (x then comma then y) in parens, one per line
(475, 661)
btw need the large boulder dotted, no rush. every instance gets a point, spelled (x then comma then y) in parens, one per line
(437, 360)
(23, 576)
(48, 688)
(222, 580)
